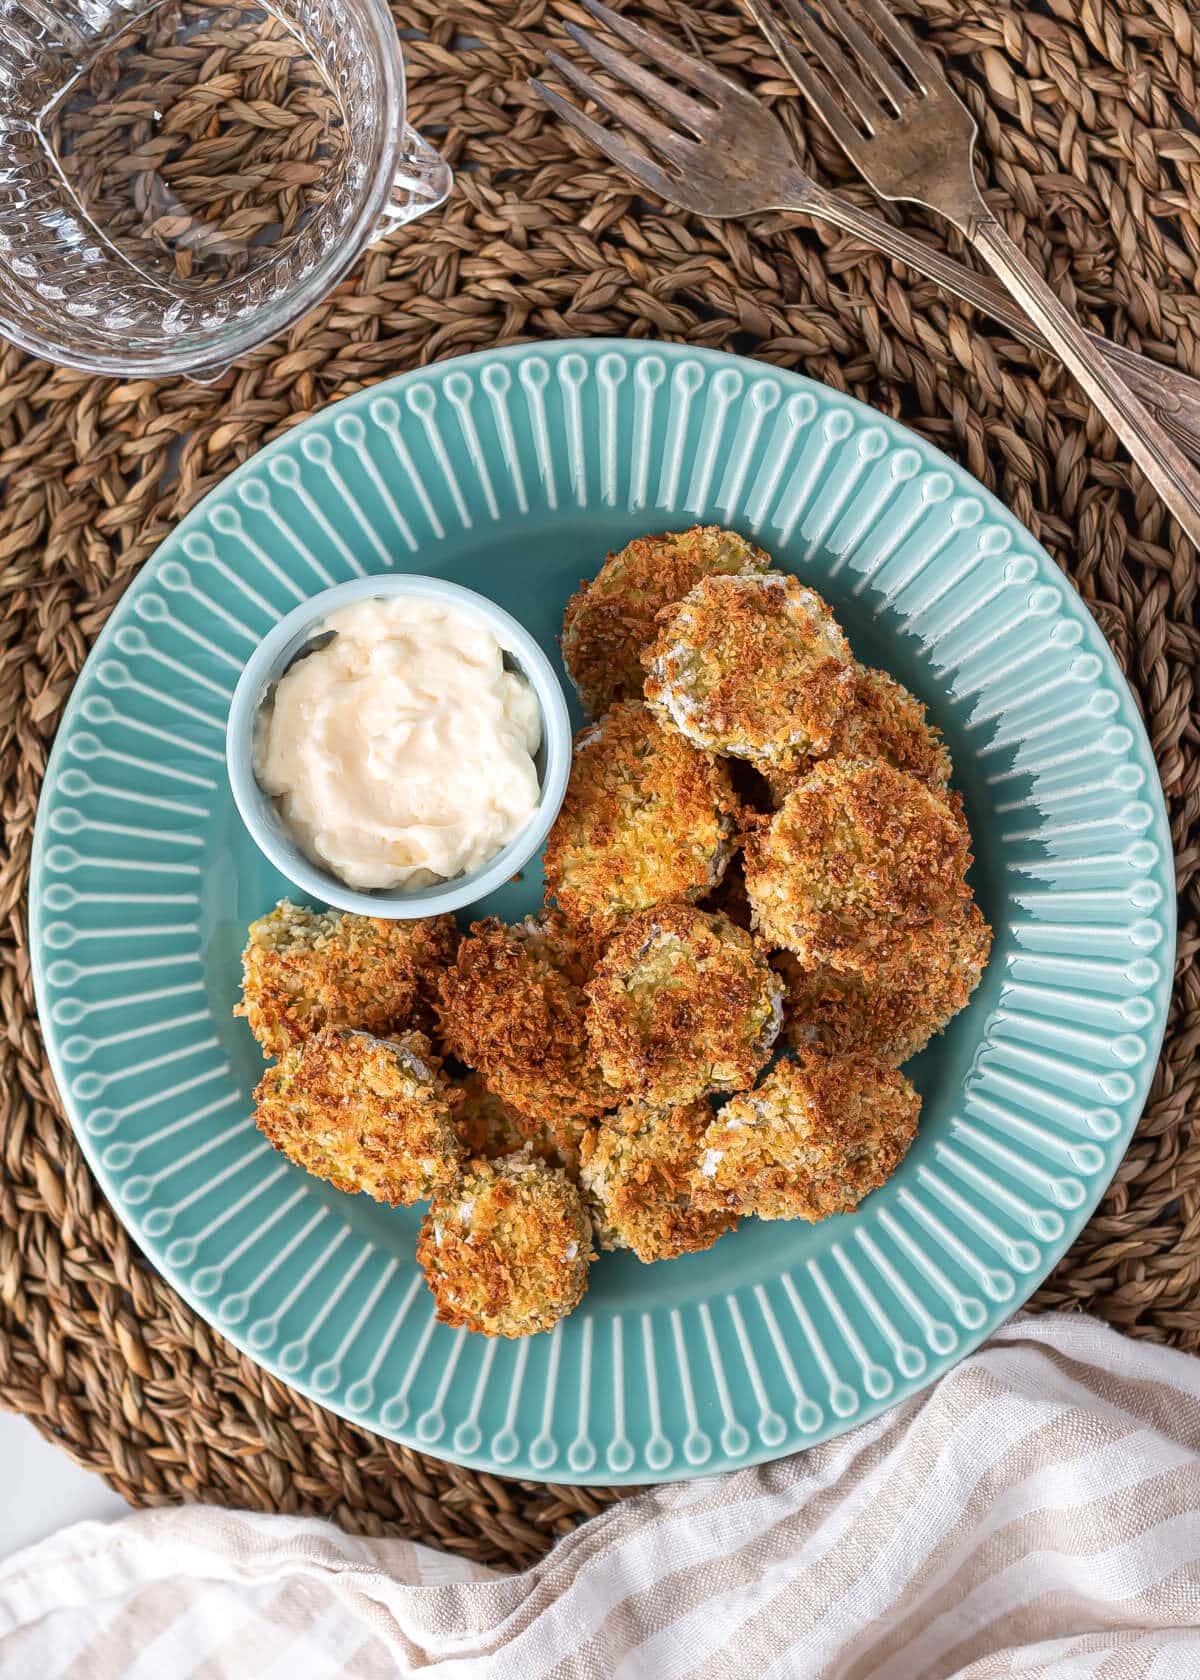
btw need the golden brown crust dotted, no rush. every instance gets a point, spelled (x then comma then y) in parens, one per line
(894, 1016)
(682, 1003)
(637, 1177)
(755, 666)
(611, 619)
(817, 1136)
(883, 720)
(366, 1114)
(857, 861)
(647, 818)
(505, 1249)
(491, 1128)
(306, 969)
(512, 1006)
(486, 1125)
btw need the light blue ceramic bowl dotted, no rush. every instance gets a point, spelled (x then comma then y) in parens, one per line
(271, 658)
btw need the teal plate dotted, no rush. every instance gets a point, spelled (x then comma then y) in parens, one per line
(513, 472)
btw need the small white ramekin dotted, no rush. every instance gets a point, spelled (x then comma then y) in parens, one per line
(276, 652)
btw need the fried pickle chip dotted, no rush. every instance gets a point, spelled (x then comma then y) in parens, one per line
(819, 1134)
(512, 1005)
(611, 619)
(505, 1249)
(646, 818)
(636, 1176)
(895, 1015)
(486, 1125)
(682, 1003)
(489, 1127)
(858, 859)
(307, 969)
(753, 666)
(365, 1113)
(883, 720)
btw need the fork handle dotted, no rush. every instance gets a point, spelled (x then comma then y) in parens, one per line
(1155, 452)
(1174, 396)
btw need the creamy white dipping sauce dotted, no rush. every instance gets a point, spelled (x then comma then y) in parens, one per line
(401, 753)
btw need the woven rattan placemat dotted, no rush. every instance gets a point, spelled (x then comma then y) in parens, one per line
(1087, 112)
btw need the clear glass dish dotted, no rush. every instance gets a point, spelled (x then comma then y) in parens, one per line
(179, 182)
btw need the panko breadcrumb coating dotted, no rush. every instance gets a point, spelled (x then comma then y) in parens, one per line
(647, 818)
(754, 666)
(883, 720)
(489, 1127)
(611, 619)
(485, 1125)
(857, 861)
(637, 1176)
(506, 1248)
(894, 1016)
(511, 1005)
(365, 1113)
(682, 1003)
(307, 969)
(819, 1134)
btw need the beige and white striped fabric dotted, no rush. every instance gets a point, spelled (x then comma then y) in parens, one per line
(1037, 1514)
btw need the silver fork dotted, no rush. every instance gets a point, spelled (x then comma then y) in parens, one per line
(914, 140)
(723, 153)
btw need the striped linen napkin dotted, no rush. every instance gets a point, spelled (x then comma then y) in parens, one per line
(1036, 1514)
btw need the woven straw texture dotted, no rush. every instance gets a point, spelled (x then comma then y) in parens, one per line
(1088, 148)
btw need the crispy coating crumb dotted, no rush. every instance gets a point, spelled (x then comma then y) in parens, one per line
(512, 1006)
(365, 1113)
(647, 818)
(307, 969)
(883, 720)
(754, 666)
(611, 619)
(506, 1248)
(895, 1015)
(819, 1134)
(858, 859)
(485, 1124)
(637, 1180)
(682, 1003)
(489, 1127)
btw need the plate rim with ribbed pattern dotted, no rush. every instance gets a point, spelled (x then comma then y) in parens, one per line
(745, 1357)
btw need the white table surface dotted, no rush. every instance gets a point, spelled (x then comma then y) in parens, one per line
(42, 1489)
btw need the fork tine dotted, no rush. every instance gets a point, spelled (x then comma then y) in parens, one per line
(674, 147)
(691, 70)
(812, 85)
(921, 66)
(605, 140)
(836, 65)
(650, 86)
(852, 32)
